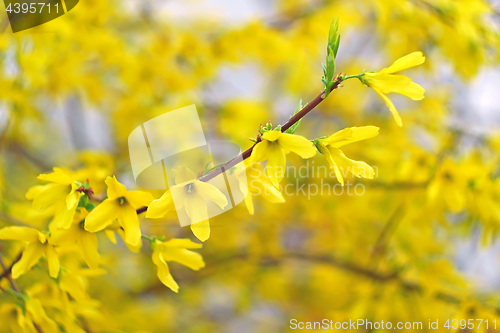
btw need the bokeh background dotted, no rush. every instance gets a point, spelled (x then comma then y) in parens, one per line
(72, 90)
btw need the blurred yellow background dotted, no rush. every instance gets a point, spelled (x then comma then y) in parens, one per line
(419, 243)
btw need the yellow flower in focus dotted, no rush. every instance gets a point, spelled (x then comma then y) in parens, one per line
(190, 194)
(329, 147)
(386, 81)
(62, 192)
(175, 250)
(273, 148)
(38, 245)
(120, 205)
(251, 179)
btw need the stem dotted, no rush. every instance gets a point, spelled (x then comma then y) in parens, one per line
(9, 276)
(7, 271)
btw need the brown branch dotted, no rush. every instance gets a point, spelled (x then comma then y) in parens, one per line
(12, 219)
(9, 275)
(9, 269)
(349, 267)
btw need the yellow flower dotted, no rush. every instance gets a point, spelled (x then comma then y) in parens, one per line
(449, 185)
(190, 194)
(251, 179)
(175, 250)
(37, 314)
(329, 147)
(38, 245)
(61, 192)
(120, 205)
(76, 234)
(273, 148)
(386, 81)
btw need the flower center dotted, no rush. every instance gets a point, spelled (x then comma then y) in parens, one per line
(122, 201)
(190, 188)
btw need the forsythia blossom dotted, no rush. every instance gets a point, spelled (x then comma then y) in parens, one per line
(61, 192)
(190, 194)
(251, 179)
(175, 250)
(329, 147)
(38, 245)
(386, 81)
(120, 205)
(273, 148)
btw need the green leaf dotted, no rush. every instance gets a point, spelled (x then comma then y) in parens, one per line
(293, 128)
(331, 54)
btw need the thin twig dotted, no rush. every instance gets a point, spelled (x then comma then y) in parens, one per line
(9, 275)
(9, 270)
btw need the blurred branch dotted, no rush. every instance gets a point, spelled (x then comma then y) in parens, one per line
(12, 219)
(384, 237)
(7, 271)
(349, 267)
(19, 150)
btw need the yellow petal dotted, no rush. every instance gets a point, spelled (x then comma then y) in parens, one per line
(52, 193)
(408, 61)
(139, 199)
(196, 207)
(72, 199)
(102, 216)
(160, 207)
(259, 152)
(350, 135)
(52, 260)
(391, 107)
(115, 188)
(413, 91)
(35, 309)
(185, 257)
(132, 248)
(64, 218)
(34, 190)
(183, 243)
(64, 237)
(57, 177)
(163, 271)
(357, 168)
(201, 230)
(87, 242)
(249, 203)
(210, 192)
(24, 234)
(31, 256)
(297, 144)
(270, 192)
(331, 162)
(183, 175)
(130, 222)
(272, 135)
(386, 83)
(276, 163)
(111, 236)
